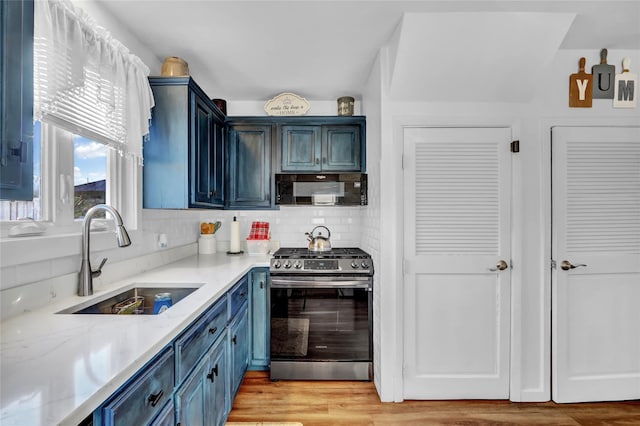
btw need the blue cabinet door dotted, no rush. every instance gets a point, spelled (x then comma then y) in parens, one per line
(202, 400)
(218, 376)
(249, 175)
(259, 323)
(16, 103)
(341, 148)
(167, 416)
(218, 161)
(239, 338)
(206, 155)
(301, 148)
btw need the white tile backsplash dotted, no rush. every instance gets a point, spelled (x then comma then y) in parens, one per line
(289, 224)
(34, 271)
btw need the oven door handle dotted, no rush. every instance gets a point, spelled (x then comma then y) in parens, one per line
(279, 283)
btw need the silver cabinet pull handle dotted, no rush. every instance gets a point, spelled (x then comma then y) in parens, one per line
(565, 265)
(500, 266)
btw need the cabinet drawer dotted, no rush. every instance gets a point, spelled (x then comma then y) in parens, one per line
(199, 337)
(145, 397)
(238, 296)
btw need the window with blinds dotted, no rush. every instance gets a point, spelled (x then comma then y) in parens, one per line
(93, 109)
(87, 82)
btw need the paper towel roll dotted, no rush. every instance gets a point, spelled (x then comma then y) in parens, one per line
(234, 242)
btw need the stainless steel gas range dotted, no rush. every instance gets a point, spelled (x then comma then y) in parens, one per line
(321, 314)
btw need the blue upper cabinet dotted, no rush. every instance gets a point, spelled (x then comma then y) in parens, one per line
(184, 156)
(16, 105)
(321, 144)
(249, 166)
(301, 148)
(341, 146)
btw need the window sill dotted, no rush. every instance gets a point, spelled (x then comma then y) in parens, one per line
(21, 250)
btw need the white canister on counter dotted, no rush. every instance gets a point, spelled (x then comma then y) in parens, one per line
(207, 244)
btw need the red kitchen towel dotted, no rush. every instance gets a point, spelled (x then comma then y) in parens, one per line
(259, 231)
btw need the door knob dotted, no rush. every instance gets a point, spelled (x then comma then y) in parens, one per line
(565, 265)
(500, 266)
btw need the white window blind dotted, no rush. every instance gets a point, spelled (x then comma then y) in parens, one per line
(86, 81)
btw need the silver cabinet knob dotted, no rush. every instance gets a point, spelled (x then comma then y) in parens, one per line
(500, 266)
(565, 265)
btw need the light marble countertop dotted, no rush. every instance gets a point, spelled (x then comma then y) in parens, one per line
(58, 368)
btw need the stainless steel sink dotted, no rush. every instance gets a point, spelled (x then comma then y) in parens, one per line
(117, 303)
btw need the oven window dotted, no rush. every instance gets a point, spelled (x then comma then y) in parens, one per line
(318, 324)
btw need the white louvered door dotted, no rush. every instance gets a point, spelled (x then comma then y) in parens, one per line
(457, 230)
(596, 228)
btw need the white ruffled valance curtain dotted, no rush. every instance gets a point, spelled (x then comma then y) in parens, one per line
(86, 81)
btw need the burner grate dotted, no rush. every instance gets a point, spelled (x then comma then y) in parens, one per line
(335, 253)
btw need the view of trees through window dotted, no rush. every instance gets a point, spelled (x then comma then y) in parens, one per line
(89, 175)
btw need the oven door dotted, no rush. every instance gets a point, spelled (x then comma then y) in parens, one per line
(321, 327)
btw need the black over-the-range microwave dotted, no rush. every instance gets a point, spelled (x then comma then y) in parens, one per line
(322, 189)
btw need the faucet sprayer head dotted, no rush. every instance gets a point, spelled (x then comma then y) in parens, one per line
(122, 236)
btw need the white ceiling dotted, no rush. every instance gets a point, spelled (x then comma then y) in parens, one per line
(321, 49)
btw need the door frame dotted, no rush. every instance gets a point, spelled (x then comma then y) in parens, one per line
(394, 252)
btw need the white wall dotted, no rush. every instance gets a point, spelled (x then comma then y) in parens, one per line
(135, 46)
(373, 232)
(531, 123)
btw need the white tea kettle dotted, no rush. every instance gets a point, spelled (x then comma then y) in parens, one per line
(319, 243)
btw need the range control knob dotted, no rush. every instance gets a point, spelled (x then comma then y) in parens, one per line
(354, 265)
(365, 265)
(277, 264)
(297, 264)
(287, 264)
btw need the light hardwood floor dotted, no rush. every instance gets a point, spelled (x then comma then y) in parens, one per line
(356, 403)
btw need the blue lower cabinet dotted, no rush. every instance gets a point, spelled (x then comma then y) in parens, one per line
(202, 399)
(259, 319)
(143, 399)
(239, 344)
(167, 416)
(194, 380)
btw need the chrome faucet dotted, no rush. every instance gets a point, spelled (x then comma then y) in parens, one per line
(85, 284)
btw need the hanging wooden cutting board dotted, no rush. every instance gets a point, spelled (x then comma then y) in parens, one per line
(580, 88)
(625, 87)
(603, 78)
